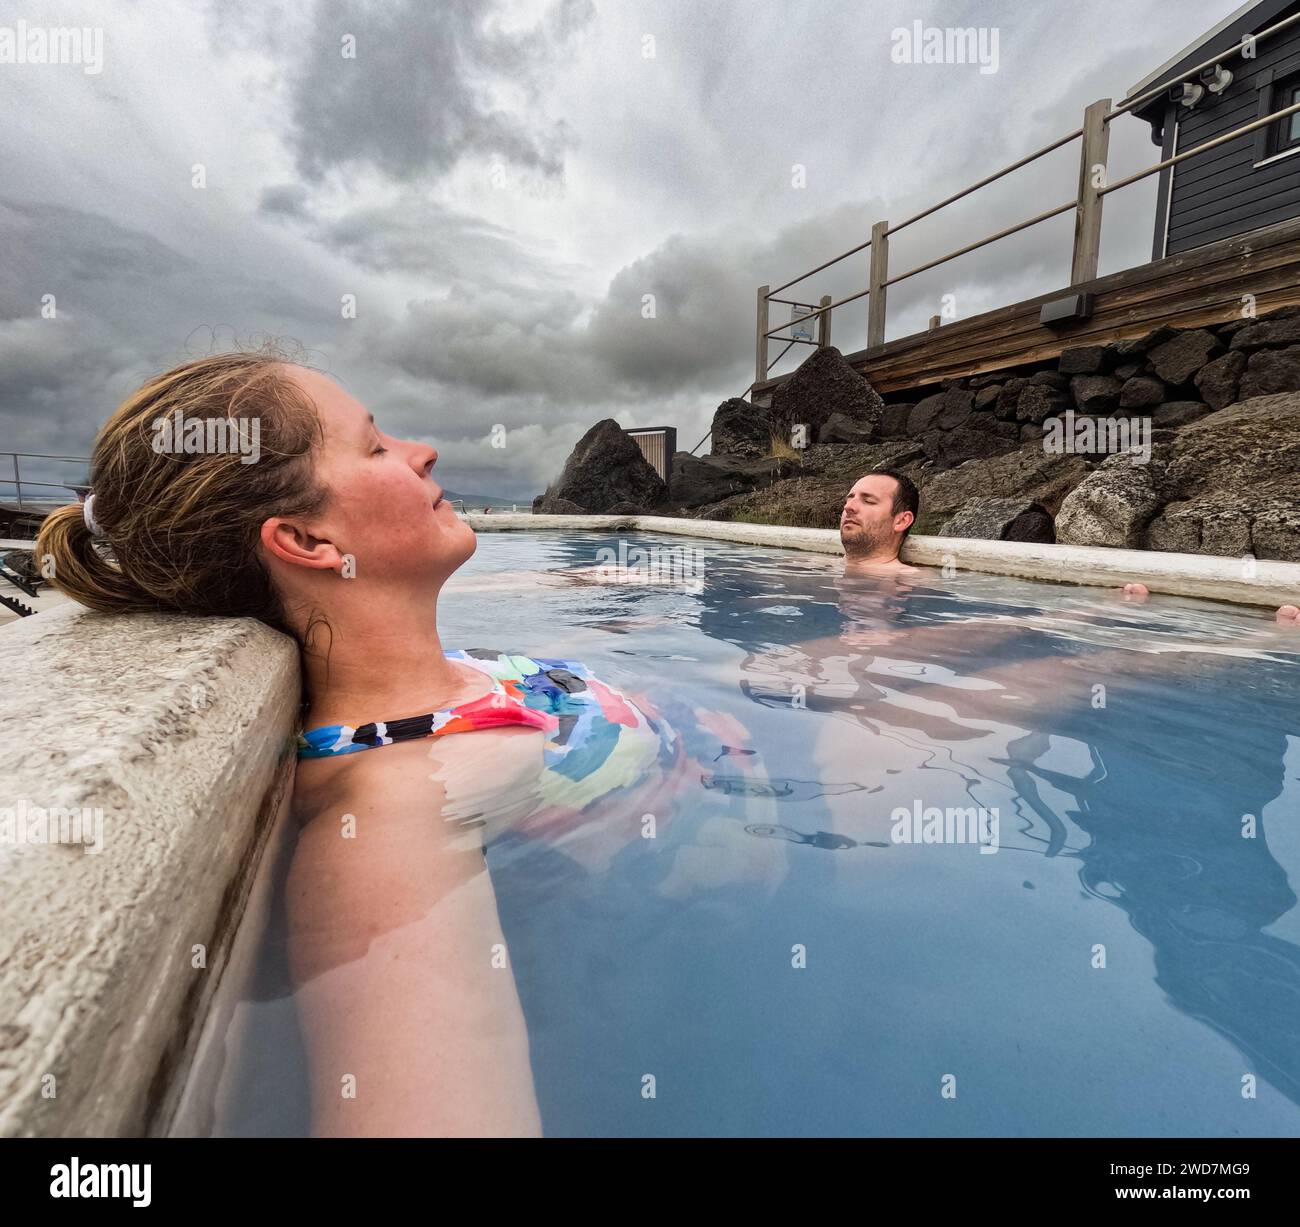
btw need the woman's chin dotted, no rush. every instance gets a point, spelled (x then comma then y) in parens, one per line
(469, 541)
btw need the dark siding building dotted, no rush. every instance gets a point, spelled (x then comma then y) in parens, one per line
(1245, 183)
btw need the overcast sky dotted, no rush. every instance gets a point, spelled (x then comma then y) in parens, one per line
(499, 183)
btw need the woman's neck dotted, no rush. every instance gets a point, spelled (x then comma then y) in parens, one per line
(379, 663)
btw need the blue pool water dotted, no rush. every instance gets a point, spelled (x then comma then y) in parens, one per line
(775, 961)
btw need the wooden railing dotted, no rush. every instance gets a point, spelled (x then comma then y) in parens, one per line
(1086, 204)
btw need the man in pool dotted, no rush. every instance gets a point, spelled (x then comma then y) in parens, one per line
(879, 511)
(877, 515)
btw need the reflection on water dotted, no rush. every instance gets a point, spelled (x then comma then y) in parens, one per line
(1126, 958)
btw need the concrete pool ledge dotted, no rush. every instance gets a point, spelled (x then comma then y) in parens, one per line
(1242, 581)
(167, 741)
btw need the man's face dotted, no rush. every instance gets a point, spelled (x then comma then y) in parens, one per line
(867, 521)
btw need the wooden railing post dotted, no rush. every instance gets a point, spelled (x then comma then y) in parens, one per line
(879, 275)
(824, 323)
(760, 341)
(1092, 176)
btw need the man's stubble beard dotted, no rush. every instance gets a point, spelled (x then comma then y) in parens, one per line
(866, 541)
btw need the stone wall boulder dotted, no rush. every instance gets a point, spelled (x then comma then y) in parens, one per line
(841, 429)
(741, 429)
(1095, 393)
(1084, 360)
(1178, 413)
(1038, 402)
(924, 414)
(1217, 381)
(949, 448)
(823, 385)
(1112, 506)
(1141, 392)
(552, 505)
(1230, 485)
(1007, 403)
(605, 469)
(893, 422)
(1028, 472)
(700, 480)
(1179, 358)
(1269, 371)
(1001, 519)
(1138, 347)
(1262, 333)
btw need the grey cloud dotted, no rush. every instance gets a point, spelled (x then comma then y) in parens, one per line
(415, 100)
(286, 200)
(127, 305)
(416, 235)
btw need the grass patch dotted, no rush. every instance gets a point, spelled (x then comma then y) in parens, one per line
(779, 449)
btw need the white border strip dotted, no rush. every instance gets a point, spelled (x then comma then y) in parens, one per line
(1200, 575)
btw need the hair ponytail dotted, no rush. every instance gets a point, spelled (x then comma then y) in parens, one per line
(67, 553)
(181, 530)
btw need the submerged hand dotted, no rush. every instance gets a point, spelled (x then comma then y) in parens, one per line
(1288, 615)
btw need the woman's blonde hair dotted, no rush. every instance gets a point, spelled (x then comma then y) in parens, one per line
(181, 529)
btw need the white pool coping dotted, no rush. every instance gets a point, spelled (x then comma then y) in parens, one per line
(1242, 581)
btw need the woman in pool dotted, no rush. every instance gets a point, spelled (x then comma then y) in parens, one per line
(339, 535)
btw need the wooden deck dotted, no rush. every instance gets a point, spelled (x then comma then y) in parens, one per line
(1204, 286)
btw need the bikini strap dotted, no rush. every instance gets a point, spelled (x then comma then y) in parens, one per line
(504, 705)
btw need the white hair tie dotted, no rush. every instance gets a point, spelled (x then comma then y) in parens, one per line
(88, 515)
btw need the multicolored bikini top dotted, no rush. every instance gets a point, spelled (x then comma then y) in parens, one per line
(597, 739)
(524, 691)
(608, 760)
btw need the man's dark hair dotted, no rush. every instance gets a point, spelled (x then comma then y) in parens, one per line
(906, 498)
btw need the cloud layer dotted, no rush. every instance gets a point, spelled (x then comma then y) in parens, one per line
(547, 212)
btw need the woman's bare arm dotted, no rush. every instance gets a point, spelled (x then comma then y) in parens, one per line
(407, 1001)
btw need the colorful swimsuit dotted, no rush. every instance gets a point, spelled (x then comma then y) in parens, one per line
(598, 741)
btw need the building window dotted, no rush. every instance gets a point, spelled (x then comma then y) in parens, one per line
(1286, 133)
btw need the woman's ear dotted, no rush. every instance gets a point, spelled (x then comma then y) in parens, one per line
(288, 541)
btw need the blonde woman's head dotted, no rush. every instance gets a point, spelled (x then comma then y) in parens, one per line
(246, 485)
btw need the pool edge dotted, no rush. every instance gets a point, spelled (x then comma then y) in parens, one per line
(1240, 581)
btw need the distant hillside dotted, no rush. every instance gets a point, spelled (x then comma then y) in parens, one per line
(488, 500)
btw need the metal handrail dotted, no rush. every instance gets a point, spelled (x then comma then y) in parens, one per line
(830, 306)
(916, 217)
(47, 456)
(1271, 118)
(992, 238)
(17, 479)
(1046, 149)
(853, 251)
